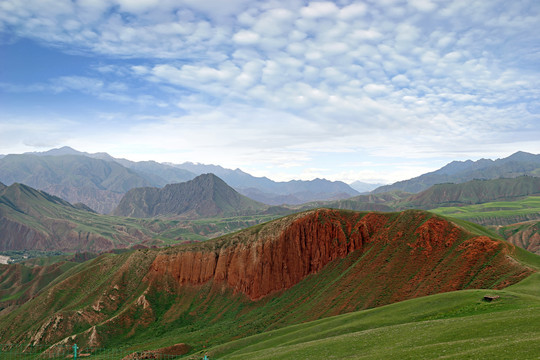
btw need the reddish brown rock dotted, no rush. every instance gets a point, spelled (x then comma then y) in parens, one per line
(260, 263)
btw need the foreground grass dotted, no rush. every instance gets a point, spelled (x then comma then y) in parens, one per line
(455, 325)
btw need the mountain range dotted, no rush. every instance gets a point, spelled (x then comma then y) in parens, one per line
(441, 195)
(299, 270)
(517, 164)
(99, 180)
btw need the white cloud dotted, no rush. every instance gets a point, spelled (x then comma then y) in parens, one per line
(422, 73)
(319, 9)
(423, 5)
(246, 37)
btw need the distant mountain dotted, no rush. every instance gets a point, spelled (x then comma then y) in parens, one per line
(472, 192)
(273, 192)
(518, 164)
(369, 202)
(99, 184)
(363, 187)
(157, 174)
(205, 196)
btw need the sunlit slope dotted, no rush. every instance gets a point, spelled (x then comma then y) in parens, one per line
(455, 325)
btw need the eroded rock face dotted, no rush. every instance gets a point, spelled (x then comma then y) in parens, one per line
(527, 238)
(258, 264)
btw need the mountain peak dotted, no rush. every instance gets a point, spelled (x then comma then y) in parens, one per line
(64, 150)
(205, 196)
(523, 156)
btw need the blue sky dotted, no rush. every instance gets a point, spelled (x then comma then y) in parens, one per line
(377, 91)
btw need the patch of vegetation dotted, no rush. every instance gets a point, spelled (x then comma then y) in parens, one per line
(495, 213)
(46, 257)
(454, 325)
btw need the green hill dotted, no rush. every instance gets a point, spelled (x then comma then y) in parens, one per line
(456, 325)
(495, 213)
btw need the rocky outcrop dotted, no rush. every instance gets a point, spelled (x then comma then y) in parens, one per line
(526, 235)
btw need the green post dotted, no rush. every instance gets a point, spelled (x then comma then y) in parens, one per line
(75, 351)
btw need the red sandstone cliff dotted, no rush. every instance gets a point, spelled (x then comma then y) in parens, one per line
(275, 257)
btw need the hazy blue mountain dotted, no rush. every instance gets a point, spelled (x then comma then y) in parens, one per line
(158, 174)
(363, 187)
(99, 184)
(518, 164)
(259, 188)
(273, 192)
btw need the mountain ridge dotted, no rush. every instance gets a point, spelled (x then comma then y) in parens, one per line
(517, 164)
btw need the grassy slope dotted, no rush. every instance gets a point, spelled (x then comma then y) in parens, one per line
(472, 192)
(453, 325)
(494, 213)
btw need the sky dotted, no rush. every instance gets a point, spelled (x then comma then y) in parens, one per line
(375, 91)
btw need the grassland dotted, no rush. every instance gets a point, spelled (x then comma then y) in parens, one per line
(495, 213)
(454, 325)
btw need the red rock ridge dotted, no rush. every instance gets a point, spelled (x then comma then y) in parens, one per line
(272, 259)
(272, 263)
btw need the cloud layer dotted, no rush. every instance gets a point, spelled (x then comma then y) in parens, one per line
(284, 82)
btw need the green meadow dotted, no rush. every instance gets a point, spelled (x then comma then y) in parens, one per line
(454, 325)
(495, 213)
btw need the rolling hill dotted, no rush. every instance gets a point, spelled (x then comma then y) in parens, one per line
(34, 220)
(456, 325)
(19, 283)
(518, 164)
(205, 196)
(299, 268)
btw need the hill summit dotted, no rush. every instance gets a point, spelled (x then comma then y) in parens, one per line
(205, 196)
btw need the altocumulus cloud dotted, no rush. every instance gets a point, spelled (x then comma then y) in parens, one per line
(393, 77)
